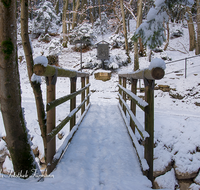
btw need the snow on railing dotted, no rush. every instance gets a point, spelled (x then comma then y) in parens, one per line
(51, 72)
(154, 72)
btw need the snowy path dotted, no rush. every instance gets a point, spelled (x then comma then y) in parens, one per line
(101, 154)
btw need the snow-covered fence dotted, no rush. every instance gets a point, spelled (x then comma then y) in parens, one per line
(52, 72)
(154, 72)
(186, 63)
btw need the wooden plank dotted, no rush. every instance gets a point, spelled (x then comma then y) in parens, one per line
(138, 148)
(63, 99)
(59, 154)
(139, 127)
(56, 130)
(140, 102)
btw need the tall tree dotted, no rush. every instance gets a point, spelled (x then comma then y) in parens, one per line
(198, 28)
(29, 60)
(125, 30)
(139, 21)
(64, 16)
(75, 9)
(191, 29)
(10, 95)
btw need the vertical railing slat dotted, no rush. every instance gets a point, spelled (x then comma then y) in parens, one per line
(88, 90)
(73, 101)
(149, 125)
(133, 104)
(124, 94)
(83, 94)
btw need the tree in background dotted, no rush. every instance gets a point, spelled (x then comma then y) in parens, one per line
(198, 28)
(10, 94)
(152, 30)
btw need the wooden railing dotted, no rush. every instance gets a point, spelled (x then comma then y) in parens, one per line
(146, 132)
(52, 72)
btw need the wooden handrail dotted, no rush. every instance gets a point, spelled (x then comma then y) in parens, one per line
(63, 99)
(56, 130)
(156, 73)
(50, 70)
(149, 76)
(140, 102)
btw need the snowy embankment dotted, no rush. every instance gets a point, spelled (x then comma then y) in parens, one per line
(177, 144)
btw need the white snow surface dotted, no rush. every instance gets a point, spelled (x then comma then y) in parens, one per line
(157, 62)
(41, 60)
(176, 132)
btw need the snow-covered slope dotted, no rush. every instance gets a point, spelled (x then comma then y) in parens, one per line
(176, 120)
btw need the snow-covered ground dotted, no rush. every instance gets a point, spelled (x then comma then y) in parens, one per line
(176, 120)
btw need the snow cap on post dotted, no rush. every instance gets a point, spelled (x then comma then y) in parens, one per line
(156, 62)
(41, 60)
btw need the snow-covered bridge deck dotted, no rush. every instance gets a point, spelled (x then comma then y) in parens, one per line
(101, 154)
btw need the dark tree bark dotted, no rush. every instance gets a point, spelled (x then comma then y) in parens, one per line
(29, 60)
(10, 95)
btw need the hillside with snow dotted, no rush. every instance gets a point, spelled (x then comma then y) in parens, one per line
(177, 101)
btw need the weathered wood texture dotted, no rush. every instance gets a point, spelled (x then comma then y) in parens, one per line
(124, 94)
(153, 74)
(63, 99)
(82, 94)
(73, 102)
(133, 103)
(149, 77)
(51, 122)
(149, 126)
(49, 70)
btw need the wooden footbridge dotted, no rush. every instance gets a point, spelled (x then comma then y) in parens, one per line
(104, 119)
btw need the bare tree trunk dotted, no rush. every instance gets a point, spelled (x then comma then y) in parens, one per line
(83, 10)
(10, 95)
(99, 2)
(75, 14)
(166, 45)
(198, 28)
(64, 16)
(191, 30)
(139, 15)
(29, 60)
(125, 30)
(57, 7)
(91, 16)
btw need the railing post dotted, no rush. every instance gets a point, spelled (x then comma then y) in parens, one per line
(133, 104)
(73, 102)
(120, 91)
(51, 116)
(83, 94)
(149, 125)
(124, 94)
(88, 90)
